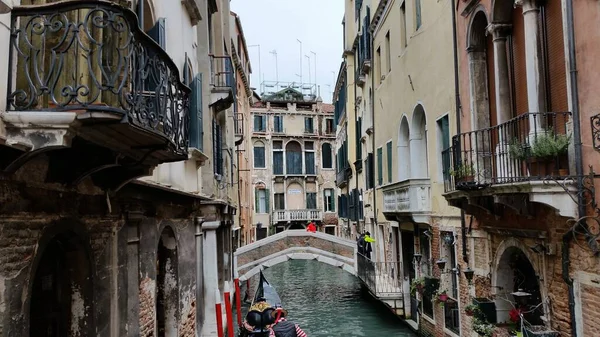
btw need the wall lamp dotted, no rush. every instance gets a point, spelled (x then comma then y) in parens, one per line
(417, 257)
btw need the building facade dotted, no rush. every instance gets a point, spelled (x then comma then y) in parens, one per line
(521, 161)
(119, 182)
(293, 175)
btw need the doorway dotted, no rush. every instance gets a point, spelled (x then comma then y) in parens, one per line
(167, 284)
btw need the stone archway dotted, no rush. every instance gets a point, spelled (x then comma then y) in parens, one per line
(404, 150)
(513, 271)
(61, 295)
(418, 144)
(167, 284)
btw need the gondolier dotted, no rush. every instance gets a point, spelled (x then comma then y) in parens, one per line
(283, 327)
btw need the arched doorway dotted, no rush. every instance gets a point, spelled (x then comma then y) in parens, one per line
(167, 284)
(61, 297)
(515, 272)
(418, 144)
(404, 150)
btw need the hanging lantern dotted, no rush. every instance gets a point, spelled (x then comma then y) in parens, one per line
(469, 273)
(441, 263)
(521, 297)
(418, 257)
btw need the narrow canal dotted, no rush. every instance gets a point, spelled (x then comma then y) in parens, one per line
(327, 301)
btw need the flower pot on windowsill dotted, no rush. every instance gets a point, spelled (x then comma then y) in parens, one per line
(443, 298)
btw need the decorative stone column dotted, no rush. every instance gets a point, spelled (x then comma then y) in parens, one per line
(500, 33)
(504, 164)
(536, 88)
(210, 275)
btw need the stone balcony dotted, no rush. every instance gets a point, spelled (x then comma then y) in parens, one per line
(408, 200)
(297, 215)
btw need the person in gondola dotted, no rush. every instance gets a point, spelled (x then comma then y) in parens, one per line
(258, 320)
(284, 328)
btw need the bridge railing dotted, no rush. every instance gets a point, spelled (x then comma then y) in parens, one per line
(297, 215)
(384, 279)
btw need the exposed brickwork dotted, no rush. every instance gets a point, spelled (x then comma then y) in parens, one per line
(18, 243)
(296, 241)
(188, 321)
(147, 307)
(330, 219)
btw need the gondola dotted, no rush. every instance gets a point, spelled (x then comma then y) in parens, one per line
(263, 311)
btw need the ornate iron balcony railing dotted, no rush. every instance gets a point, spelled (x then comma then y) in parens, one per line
(91, 55)
(528, 147)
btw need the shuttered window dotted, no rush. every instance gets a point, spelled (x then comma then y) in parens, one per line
(260, 123)
(259, 155)
(418, 20)
(278, 162)
(157, 33)
(311, 200)
(309, 160)
(308, 125)
(389, 161)
(217, 148)
(380, 166)
(328, 200)
(196, 127)
(370, 174)
(327, 155)
(278, 124)
(279, 199)
(261, 200)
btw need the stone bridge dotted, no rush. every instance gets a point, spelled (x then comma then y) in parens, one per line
(295, 245)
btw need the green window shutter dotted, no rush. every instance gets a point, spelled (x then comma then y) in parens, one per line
(418, 14)
(389, 161)
(256, 200)
(445, 133)
(196, 127)
(380, 166)
(267, 199)
(332, 201)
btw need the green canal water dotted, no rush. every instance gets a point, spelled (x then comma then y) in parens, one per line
(328, 302)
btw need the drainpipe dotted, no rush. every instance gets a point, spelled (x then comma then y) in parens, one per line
(372, 43)
(356, 149)
(463, 225)
(566, 262)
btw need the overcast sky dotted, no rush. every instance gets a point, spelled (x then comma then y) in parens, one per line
(278, 24)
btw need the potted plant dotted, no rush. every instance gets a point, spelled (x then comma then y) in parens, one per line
(518, 150)
(482, 327)
(472, 310)
(442, 297)
(463, 173)
(417, 285)
(547, 147)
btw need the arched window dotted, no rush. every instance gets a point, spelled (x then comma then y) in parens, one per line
(293, 158)
(418, 144)
(327, 157)
(259, 155)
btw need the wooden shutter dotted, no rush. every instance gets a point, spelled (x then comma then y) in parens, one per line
(196, 127)
(267, 199)
(380, 166)
(389, 161)
(256, 200)
(332, 200)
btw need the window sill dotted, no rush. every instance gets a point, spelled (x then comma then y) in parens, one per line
(260, 168)
(449, 332)
(428, 319)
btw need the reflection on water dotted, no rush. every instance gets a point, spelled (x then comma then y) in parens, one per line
(327, 301)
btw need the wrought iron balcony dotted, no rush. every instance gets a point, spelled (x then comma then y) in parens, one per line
(343, 176)
(222, 82)
(90, 57)
(527, 155)
(409, 199)
(297, 215)
(238, 125)
(529, 147)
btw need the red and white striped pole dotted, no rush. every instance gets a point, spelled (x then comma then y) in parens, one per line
(238, 301)
(219, 313)
(228, 309)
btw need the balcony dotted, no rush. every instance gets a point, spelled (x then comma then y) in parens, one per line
(297, 215)
(222, 82)
(343, 176)
(85, 70)
(238, 125)
(526, 157)
(408, 200)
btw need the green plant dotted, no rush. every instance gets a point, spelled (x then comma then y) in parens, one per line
(463, 170)
(548, 145)
(473, 310)
(482, 327)
(519, 150)
(441, 297)
(417, 285)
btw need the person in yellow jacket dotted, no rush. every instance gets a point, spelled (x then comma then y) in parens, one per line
(368, 240)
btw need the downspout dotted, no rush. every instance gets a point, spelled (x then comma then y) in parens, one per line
(567, 237)
(372, 47)
(463, 225)
(357, 139)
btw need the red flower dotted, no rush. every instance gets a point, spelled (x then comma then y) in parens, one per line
(515, 315)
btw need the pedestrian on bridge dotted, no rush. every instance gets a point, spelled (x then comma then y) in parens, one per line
(311, 227)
